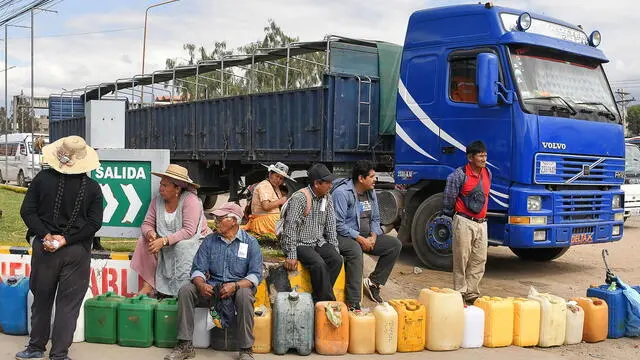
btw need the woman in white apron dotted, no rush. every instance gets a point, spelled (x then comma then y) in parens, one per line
(172, 232)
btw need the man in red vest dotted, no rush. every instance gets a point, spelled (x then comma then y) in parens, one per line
(465, 199)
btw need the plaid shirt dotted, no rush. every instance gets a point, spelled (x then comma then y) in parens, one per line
(316, 229)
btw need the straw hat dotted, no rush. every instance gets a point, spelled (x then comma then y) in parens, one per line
(70, 155)
(279, 168)
(179, 173)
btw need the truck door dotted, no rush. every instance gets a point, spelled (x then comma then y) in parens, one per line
(466, 121)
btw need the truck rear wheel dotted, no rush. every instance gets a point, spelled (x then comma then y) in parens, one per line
(209, 201)
(541, 254)
(431, 234)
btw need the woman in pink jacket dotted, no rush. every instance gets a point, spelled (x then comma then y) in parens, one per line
(172, 232)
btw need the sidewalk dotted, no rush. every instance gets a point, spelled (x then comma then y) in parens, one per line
(9, 345)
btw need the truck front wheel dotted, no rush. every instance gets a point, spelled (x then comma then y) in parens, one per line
(431, 234)
(541, 254)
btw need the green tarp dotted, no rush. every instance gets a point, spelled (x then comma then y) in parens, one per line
(389, 58)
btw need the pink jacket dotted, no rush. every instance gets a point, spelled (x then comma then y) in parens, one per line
(191, 213)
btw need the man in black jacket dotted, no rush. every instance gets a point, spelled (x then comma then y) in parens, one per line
(62, 210)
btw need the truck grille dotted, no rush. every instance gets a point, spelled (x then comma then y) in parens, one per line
(582, 207)
(578, 170)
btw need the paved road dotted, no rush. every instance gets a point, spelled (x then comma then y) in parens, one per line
(9, 345)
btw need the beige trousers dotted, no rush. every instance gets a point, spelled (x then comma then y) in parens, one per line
(469, 255)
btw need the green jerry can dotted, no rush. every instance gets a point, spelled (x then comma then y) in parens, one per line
(135, 321)
(101, 318)
(166, 323)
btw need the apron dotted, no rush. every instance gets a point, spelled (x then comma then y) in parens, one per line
(174, 261)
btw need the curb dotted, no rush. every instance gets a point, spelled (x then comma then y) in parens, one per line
(16, 189)
(98, 255)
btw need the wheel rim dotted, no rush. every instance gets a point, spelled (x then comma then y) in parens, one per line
(438, 234)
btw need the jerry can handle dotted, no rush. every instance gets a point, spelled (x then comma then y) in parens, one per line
(170, 301)
(411, 306)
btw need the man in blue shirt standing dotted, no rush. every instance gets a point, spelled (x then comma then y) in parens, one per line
(358, 226)
(228, 265)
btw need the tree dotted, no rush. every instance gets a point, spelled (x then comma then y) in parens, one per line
(3, 116)
(633, 120)
(24, 117)
(261, 78)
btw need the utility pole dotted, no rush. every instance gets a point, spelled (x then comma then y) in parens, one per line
(622, 105)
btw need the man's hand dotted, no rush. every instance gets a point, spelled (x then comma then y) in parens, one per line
(372, 240)
(204, 289)
(365, 243)
(291, 265)
(156, 245)
(227, 290)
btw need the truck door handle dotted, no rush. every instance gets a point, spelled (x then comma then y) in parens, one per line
(448, 149)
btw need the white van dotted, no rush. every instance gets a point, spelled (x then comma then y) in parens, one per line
(631, 185)
(18, 161)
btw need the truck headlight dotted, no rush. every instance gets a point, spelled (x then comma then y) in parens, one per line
(534, 203)
(616, 230)
(616, 202)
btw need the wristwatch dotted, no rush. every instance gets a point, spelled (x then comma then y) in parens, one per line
(165, 241)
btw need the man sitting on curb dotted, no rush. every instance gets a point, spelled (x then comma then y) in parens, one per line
(233, 260)
(309, 233)
(358, 226)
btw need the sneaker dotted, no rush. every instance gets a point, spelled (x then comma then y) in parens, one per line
(28, 354)
(245, 354)
(184, 350)
(470, 300)
(354, 307)
(372, 290)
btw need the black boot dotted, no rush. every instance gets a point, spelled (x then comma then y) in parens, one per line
(97, 245)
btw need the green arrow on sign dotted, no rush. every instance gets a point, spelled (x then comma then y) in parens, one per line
(126, 187)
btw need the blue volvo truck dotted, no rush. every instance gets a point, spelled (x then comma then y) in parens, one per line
(530, 86)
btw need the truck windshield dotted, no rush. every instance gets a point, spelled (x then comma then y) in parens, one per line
(555, 83)
(632, 162)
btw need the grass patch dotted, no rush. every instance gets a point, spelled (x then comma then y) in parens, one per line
(13, 229)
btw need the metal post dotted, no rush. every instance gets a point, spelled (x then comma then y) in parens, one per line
(31, 111)
(6, 108)
(286, 75)
(222, 77)
(144, 40)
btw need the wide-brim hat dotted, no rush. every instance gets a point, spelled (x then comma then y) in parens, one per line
(177, 172)
(70, 155)
(280, 169)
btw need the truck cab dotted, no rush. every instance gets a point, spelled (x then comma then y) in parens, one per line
(534, 90)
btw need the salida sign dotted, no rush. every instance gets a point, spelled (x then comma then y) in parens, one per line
(106, 275)
(126, 188)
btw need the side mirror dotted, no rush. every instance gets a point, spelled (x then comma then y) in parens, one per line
(487, 79)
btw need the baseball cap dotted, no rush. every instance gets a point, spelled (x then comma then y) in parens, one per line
(228, 208)
(320, 172)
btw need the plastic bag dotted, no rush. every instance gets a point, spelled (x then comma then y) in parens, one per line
(632, 323)
(334, 315)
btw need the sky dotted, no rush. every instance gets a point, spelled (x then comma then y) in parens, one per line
(93, 41)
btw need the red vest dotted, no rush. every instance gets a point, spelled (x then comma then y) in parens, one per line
(470, 184)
